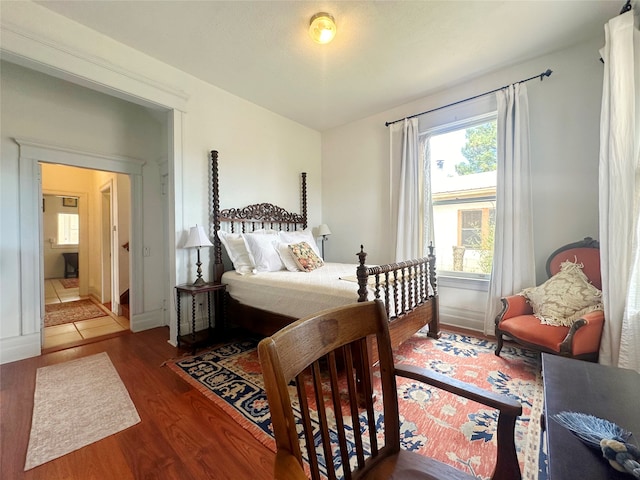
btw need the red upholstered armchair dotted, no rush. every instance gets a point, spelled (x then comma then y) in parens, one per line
(579, 340)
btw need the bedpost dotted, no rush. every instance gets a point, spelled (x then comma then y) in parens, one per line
(434, 325)
(218, 267)
(304, 199)
(433, 282)
(363, 277)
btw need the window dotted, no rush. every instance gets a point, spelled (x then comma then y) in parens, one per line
(470, 228)
(68, 229)
(463, 190)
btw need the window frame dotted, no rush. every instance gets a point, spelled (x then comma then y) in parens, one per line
(459, 123)
(485, 222)
(58, 219)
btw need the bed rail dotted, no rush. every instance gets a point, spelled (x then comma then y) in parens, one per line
(413, 281)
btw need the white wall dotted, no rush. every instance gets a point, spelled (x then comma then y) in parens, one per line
(261, 153)
(564, 125)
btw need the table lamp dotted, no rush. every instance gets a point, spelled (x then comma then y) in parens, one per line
(198, 238)
(323, 231)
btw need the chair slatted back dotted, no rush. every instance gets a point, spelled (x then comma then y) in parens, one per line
(328, 358)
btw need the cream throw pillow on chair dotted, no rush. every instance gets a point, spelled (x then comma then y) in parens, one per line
(565, 297)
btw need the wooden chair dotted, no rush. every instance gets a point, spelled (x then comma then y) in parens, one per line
(582, 339)
(331, 344)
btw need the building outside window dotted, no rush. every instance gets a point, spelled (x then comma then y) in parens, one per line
(463, 182)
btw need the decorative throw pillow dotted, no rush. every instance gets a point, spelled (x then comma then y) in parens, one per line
(565, 297)
(262, 251)
(300, 236)
(237, 250)
(305, 257)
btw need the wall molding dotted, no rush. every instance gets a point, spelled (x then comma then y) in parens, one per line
(33, 149)
(32, 152)
(28, 48)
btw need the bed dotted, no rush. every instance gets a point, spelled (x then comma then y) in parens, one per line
(263, 303)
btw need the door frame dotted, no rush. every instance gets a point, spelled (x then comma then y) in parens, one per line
(31, 46)
(105, 246)
(32, 153)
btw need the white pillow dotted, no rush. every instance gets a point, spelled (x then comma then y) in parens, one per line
(287, 258)
(237, 250)
(262, 251)
(301, 236)
(258, 231)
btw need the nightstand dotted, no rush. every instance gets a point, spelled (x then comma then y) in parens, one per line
(202, 337)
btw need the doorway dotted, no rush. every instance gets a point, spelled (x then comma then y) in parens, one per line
(80, 306)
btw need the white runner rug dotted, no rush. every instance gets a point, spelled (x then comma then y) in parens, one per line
(75, 404)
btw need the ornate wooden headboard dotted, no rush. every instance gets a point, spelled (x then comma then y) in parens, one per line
(250, 217)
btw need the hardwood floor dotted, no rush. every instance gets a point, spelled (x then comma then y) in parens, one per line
(182, 435)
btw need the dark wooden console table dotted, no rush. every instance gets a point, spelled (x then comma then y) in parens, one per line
(197, 338)
(604, 392)
(70, 264)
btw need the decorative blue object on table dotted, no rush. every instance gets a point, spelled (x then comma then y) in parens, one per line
(606, 436)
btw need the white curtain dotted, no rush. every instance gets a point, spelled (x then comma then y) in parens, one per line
(619, 194)
(513, 256)
(428, 231)
(405, 152)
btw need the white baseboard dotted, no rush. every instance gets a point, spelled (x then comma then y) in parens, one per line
(95, 293)
(18, 348)
(147, 320)
(463, 318)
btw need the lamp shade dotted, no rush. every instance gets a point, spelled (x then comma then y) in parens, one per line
(323, 230)
(322, 28)
(197, 238)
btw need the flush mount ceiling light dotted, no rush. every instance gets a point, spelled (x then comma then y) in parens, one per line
(322, 28)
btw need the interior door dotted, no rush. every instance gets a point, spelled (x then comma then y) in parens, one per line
(110, 258)
(105, 242)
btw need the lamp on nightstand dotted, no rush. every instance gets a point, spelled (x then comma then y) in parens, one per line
(198, 238)
(324, 232)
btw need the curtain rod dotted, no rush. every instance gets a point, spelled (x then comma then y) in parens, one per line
(541, 76)
(626, 7)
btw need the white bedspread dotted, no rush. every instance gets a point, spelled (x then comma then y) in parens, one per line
(296, 294)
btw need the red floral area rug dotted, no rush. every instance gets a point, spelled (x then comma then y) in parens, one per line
(67, 312)
(436, 423)
(70, 282)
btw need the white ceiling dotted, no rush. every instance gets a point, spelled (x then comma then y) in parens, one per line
(386, 53)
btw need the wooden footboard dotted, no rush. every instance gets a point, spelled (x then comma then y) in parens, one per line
(411, 303)
(409, 292)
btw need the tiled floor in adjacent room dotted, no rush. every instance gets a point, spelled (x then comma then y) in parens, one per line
(69, 334)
